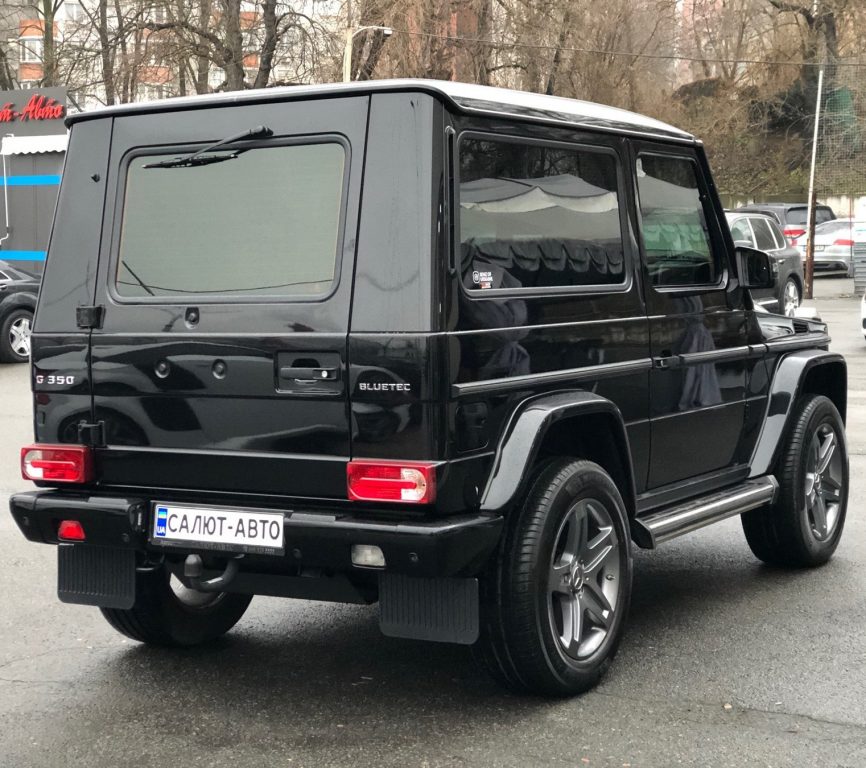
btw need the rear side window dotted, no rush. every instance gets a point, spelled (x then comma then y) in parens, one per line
(538, 216)
(257, 222)
(763, 236)
(741, 232)
(673, 222)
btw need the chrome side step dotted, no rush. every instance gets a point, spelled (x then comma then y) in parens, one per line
(664, 524)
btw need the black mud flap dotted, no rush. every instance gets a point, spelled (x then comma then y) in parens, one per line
(443, 610)
(102, 576)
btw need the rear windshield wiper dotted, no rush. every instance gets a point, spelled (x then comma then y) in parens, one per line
(198, 158)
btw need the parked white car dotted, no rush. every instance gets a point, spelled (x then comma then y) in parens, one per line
(834, 245)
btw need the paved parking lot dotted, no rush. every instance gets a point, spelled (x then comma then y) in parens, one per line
(726, 662)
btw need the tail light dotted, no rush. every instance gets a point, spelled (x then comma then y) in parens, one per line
(398, 481)
(57, 463)
(845, 242)
(792, 233)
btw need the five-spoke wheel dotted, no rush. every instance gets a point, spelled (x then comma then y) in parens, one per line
(15, 336)
(823, 486)
(804, 524)
(584, 579)
(554, 604)
(790, 297)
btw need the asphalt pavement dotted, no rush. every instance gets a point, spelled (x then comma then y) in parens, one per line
(725, 662)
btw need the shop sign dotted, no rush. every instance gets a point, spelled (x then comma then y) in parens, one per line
(37, 108)
(33, 112)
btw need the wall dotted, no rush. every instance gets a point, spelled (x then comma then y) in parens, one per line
(32, 185)
(31, 180)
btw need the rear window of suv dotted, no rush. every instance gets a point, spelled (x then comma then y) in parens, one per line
(260, 221)
(799, 216)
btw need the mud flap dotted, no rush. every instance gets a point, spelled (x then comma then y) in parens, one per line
(443, 610)
(102, 576)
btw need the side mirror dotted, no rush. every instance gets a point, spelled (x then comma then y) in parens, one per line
(754, 268)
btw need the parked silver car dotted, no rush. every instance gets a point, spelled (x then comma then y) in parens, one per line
(834, 245)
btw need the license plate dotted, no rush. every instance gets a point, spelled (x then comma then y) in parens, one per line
(230, 530)
(819, 247)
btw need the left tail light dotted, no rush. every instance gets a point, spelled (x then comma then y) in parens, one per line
(402, 482)
(57, 463)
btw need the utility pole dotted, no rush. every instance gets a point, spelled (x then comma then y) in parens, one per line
(347, 50)
(810, 218)
(809, 267)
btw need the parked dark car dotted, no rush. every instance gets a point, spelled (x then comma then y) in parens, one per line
(483, 342)
(760, 231)
(18, 291)
(792, 217)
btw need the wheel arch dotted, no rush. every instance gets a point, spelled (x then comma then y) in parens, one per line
(560, 424)
(811, 371)
(17, 300)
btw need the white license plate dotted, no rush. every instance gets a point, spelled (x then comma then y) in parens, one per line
(230, 530)
(819, 247)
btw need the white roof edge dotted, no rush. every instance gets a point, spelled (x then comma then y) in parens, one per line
(32, 145)
(468, 96)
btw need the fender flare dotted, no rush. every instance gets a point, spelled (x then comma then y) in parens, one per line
(788, 384)
(525, 432)
(19, 299)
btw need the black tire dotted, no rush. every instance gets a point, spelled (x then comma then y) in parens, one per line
(521, 640)
(789, 533)
(161, 617)
(8, 352)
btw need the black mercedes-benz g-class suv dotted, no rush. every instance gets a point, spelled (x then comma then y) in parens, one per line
(451, 348)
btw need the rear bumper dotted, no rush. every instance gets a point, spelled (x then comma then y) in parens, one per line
(832, 262)
(451, 546)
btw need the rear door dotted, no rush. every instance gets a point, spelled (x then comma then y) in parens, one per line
(220, 364)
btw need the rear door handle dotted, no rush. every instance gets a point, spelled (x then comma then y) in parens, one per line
(303, 374)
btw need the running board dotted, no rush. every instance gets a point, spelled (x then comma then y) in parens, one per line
(668, 523)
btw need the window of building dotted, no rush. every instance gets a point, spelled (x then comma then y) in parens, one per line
(151, 92)
(73, 11)
(216, 77)
(30, 50)
(538, 216)
(673, 222)
(260, 221)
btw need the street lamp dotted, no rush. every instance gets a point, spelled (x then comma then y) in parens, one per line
(347, 51)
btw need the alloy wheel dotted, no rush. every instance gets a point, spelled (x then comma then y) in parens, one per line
(583, 583)
(791, 298)
(823, 486)
(19, 336)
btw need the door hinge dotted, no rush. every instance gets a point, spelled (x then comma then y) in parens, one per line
(91, 435)
(89, 317)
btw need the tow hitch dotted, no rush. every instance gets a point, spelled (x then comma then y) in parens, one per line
(193, 569)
